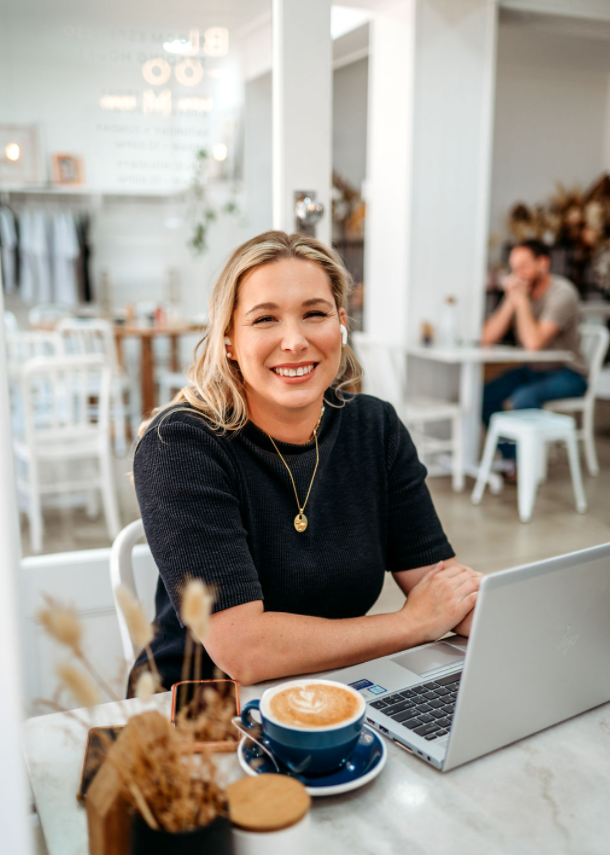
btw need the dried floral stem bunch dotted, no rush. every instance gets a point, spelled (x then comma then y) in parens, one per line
(164, 773)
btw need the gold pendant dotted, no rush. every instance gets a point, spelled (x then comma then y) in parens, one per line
(300, 522)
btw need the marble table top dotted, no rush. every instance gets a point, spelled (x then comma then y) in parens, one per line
(549, 793)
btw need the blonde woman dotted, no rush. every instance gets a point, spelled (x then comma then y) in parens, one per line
(288, 495)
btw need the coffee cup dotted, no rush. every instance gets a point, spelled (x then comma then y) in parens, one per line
(311, 726)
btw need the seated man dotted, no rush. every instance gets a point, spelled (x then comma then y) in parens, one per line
(542, 310)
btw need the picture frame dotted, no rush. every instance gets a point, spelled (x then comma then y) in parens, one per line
(67, 169)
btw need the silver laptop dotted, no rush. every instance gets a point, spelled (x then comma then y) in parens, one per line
(538, 654)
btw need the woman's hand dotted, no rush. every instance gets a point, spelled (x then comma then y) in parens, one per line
(464, 626)
(441, 601)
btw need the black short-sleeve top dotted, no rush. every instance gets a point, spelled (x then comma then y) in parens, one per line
(222, 509)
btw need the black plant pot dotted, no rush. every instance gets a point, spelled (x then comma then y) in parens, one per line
(212, 839)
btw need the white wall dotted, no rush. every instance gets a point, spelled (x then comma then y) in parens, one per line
(552, 113)
(350, 101)
(136, 237)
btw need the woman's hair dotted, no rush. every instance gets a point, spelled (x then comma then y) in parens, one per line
(215, 382)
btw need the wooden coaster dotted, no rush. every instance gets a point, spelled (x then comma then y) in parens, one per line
(267, 802)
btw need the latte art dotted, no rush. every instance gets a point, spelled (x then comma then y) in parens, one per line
(313, 705)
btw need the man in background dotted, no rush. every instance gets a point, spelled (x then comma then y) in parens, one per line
(542, 310)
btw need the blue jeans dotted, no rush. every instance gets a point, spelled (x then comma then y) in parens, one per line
(527, 389)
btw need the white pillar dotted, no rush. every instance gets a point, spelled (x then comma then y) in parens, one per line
(388, 187)
(431, 93)
(13, 787)
(302, 108)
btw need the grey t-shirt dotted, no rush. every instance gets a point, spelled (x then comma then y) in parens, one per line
(559, 304)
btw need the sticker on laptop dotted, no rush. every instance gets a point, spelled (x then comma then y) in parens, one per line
(376, 690)
(361, 684)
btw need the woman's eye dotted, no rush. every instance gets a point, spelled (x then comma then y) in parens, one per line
(316, 315)
(264, 320)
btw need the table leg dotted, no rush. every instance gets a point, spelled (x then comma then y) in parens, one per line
(148, 380)
(175, 356)
(471, 399)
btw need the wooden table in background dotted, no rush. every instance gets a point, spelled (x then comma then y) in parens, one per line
(146, 335)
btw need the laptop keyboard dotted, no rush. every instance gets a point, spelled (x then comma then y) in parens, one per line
(426, 710)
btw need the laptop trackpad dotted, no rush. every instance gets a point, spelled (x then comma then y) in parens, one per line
(429, 659)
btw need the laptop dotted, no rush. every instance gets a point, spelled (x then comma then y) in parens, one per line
(538, 654)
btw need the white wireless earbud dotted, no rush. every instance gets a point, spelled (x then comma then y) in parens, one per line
(228, 343)
(343, 333)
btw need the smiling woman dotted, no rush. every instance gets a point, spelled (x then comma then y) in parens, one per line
(266, 429)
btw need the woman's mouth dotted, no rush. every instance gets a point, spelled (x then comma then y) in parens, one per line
(295, 373)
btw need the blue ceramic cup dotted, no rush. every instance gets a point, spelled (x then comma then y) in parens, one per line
(311, 750)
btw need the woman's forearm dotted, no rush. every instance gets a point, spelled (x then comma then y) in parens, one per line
(281, 645)
(252, 645)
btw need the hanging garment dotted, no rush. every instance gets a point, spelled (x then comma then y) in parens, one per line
(28, 280)
(36, 285)
(85, 287)
(8, 249)
(65, 252)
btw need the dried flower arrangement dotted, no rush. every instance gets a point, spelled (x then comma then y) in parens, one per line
(162, 771)
(348, 210)
(574, 219)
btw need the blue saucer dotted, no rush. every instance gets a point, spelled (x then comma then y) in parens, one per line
(366, 763)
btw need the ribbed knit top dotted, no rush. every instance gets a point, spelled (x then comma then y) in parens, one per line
(221, 508)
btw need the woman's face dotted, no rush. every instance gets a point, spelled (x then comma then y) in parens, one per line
(285, 334)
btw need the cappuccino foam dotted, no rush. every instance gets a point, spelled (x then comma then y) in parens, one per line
(314, 705)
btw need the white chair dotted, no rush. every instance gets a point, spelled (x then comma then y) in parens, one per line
(122, 560)
(59, 433)
(531, 430)
(170, 382)
(594, 340)
(11, 324)
(385, 367)
(48, 314)
(96, 336)
(21, 346)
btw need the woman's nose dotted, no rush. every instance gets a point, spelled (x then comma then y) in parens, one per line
(293, 339)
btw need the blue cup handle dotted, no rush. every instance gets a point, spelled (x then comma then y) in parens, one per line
(246, 717)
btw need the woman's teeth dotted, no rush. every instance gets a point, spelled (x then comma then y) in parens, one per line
(294, 372)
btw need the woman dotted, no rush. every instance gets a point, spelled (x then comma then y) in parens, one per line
(289, 496)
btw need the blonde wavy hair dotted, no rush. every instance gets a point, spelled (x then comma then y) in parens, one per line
(215, 386)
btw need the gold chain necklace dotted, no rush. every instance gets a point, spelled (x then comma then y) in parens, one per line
(300, 521)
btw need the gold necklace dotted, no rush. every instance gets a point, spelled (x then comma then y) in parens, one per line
(300, 521)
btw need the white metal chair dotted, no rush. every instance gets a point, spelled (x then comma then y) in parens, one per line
(531, 430)
(170, 382)
(21, 346)
(59, 433)
(594, 340)
(123, 556)
(96, 336)
(385, 367)
(11, 324)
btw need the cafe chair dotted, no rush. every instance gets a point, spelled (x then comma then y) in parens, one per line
(11, 324)
(61, 440)
(135, 568)
(531, 430)
(21, 346)
(594, 340)
(96, 336)
(385, 367)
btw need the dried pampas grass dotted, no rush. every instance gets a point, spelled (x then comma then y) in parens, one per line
(145, 687)
(141, 631)
(197, 602)
(62, 624)
(79, 684)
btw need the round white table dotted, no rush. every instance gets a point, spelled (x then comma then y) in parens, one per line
(545, 795)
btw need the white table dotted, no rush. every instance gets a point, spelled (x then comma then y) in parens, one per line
(471, 361)
(595, 309)
(546, 795)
